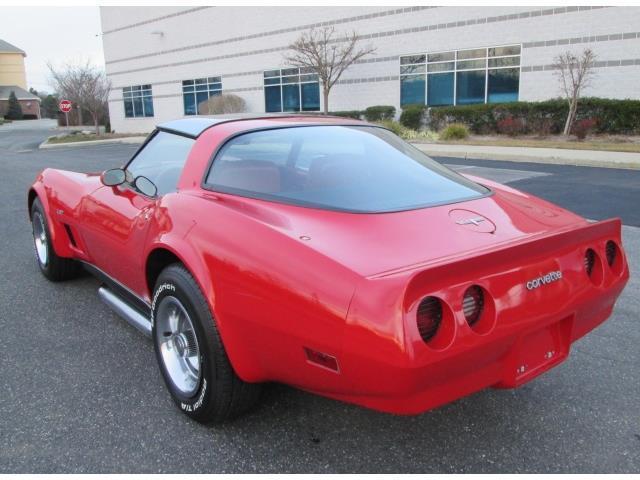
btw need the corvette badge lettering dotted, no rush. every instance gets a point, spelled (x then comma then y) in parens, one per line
(471, 221)
(544, 280)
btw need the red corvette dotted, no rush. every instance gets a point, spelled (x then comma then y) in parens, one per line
(330, 255)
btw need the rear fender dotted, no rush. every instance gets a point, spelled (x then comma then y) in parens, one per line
(243, 361)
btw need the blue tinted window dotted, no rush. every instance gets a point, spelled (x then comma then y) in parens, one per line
(359, 169)
(291, 98)
(503, 85)
(148, 106)
(470, 87)
(412, 90)
(440, 89)
(197, 91)
(310, 97)
(137, 107)
(138, 101)
(128, 108)
(463, 77)
(201, 98)
(272, 99)
(291, 90)
(189, 100)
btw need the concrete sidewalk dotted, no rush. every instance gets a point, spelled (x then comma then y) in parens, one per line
(560, 156)
(138, 140)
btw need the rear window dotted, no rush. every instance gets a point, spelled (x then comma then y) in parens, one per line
(360, 169)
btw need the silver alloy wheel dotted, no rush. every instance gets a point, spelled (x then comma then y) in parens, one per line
(40, 238)
(178, 345)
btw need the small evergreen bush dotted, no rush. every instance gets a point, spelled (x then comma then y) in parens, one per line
(378, 113)
(14, 110)
(412, 116)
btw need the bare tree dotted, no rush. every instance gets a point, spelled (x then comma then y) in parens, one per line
(95, 96)
(575, 72)
(85, 86)
(327, 54)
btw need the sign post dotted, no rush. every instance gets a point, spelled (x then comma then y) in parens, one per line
(65, 106)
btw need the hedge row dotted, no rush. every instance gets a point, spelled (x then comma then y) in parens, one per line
(377, 113)
(608, 116)
(357, 114)
(543, 118)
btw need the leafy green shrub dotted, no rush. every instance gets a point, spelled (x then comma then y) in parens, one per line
(455, 131)
(412, 116)
(543, 118)
(357, 114)
(379, 113)
(395, 127)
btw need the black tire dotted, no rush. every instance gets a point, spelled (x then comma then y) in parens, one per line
(53, 267)
(219, 393)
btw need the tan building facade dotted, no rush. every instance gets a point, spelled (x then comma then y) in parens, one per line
(13, 78)
(12, 71)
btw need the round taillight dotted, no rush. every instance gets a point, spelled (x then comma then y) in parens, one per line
(473, 304)
(612, 252)
(589, 261)
(429, 317)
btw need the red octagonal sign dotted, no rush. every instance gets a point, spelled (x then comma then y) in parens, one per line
(65, 106)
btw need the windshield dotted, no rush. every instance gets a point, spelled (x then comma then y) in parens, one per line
(362, 169)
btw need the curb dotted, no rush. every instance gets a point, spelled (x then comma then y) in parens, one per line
(630, 163)
(131, 140)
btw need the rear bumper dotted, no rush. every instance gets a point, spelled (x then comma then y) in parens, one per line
(527, 332)
(500, 360)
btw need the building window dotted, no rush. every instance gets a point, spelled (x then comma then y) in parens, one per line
(138, 101)
(461, 77)
(503, 85)
(196, 92)
(470, 87)
(291, 90)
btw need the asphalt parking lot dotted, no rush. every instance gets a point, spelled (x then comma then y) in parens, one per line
(81, 391)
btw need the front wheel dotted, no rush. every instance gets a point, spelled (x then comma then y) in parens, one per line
(52, 266)
(190, 353)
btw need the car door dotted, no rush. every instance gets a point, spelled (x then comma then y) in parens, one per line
(118, 218)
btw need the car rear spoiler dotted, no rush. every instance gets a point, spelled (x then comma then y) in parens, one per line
(526, 247)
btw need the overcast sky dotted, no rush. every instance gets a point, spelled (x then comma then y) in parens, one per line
(56, 34)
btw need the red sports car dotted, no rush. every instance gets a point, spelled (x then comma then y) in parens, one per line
(330, 255)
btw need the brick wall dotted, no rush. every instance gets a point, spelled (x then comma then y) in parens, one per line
(30, 108)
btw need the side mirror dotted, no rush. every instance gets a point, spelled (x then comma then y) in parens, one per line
(145, 186)
(113, 177)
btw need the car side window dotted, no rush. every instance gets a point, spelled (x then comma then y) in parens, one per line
(161, 161)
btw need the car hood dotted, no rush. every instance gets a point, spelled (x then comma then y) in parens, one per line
(373, 244)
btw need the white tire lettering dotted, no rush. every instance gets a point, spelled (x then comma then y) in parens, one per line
(161, 288)
(198, 403)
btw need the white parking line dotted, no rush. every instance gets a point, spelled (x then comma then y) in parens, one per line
(501, 175)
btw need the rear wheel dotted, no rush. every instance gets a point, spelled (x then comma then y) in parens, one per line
(52, 266)
(190, 353)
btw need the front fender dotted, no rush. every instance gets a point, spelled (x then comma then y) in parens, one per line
(44, 191)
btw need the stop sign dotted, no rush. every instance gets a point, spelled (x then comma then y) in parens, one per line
(65, 106)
